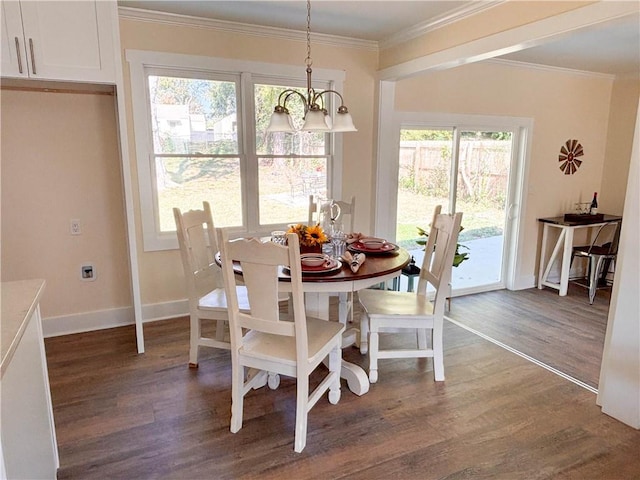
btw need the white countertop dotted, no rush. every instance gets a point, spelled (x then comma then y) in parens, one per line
(19, 301)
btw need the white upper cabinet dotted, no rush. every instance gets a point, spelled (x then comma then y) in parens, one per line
(62, 40)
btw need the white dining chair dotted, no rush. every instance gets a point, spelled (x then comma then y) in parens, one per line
(293, 346)
(345, 299)
(205, 288)
(346, 208)
(391, 311)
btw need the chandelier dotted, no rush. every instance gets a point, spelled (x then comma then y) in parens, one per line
(316, 116)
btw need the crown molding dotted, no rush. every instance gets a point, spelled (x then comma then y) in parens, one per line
(512, 40)
(438, 22)
(549, 68)
(173, 19)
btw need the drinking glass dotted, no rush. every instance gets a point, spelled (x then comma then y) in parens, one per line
(338, 239)
(279, 237)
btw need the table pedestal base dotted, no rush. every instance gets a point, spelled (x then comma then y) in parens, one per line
(317, 305)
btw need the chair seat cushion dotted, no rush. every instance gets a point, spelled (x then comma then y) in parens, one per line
(392, 303)
(217, 300)
(595, 250)
(266, 346)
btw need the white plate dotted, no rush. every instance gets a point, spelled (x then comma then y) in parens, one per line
(314, 260)
(331, 267)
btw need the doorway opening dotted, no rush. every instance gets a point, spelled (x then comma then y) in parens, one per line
(463, 170)
(475, 164)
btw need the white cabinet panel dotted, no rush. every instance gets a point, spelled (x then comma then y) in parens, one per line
(66, 40)
(27, 438)
(12, 54)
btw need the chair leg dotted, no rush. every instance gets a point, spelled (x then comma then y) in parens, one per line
(421, 333)
(194, 347)
(438, 350)
(364, 333)
(237, 397)
(220, 330)
(335, 363)
(302, 403)
(373, 352)
(594, 277)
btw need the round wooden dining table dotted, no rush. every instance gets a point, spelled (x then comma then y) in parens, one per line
(375, 270)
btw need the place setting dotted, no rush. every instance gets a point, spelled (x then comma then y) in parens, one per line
(319, 263)
(358, 243)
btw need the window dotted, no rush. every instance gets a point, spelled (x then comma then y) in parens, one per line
(200, 135)
(290, 167)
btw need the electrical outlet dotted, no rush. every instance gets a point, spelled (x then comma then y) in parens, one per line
(87, 272)
(75, 227)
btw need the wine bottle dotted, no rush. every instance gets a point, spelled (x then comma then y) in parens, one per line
(593, 209)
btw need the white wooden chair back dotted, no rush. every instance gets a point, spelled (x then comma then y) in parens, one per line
(346, 208)
(262, 341)
(198, 245)
(438, 256)
(260, 263)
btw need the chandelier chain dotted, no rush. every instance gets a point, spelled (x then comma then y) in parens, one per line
(308, 60)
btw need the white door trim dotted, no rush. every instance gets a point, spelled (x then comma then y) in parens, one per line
(387, 172)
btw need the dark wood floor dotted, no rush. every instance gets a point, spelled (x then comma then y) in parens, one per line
(497, 416)
(565, 333)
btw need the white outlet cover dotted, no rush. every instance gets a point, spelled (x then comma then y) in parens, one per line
(75, 227)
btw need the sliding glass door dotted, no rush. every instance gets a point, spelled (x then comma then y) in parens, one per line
(465, 170)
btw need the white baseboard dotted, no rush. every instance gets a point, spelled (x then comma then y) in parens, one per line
(524, 282)
(111, 318)
(120, 317)
(165, 310)
(87, 321)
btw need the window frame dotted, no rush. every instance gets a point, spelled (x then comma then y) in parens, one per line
(247, 73)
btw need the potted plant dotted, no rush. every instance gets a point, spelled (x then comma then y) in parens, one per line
(458, 257)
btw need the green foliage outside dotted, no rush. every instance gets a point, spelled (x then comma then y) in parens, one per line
(458, 256)
(425, 181)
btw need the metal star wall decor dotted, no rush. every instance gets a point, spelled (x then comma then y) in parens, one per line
(569, 154)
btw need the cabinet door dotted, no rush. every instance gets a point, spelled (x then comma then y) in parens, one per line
(69, 40)
(13, 53)
(28, 432)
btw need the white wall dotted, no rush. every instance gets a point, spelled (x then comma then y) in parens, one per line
(619, 387)
(61, 161)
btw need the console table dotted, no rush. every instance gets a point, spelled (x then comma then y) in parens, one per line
(563, 247)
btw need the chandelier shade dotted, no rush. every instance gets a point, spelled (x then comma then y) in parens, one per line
(316, 116)
(280, 122)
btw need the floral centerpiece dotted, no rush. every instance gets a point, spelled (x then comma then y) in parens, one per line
(311, 237)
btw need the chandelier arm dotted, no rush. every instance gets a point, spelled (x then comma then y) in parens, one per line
(289, 93)
(342, 108)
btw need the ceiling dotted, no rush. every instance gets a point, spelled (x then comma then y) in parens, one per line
(611, 48)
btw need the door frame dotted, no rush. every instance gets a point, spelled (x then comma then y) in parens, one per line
(386, 192)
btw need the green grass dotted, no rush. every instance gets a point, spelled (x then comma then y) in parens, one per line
(479, 220)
